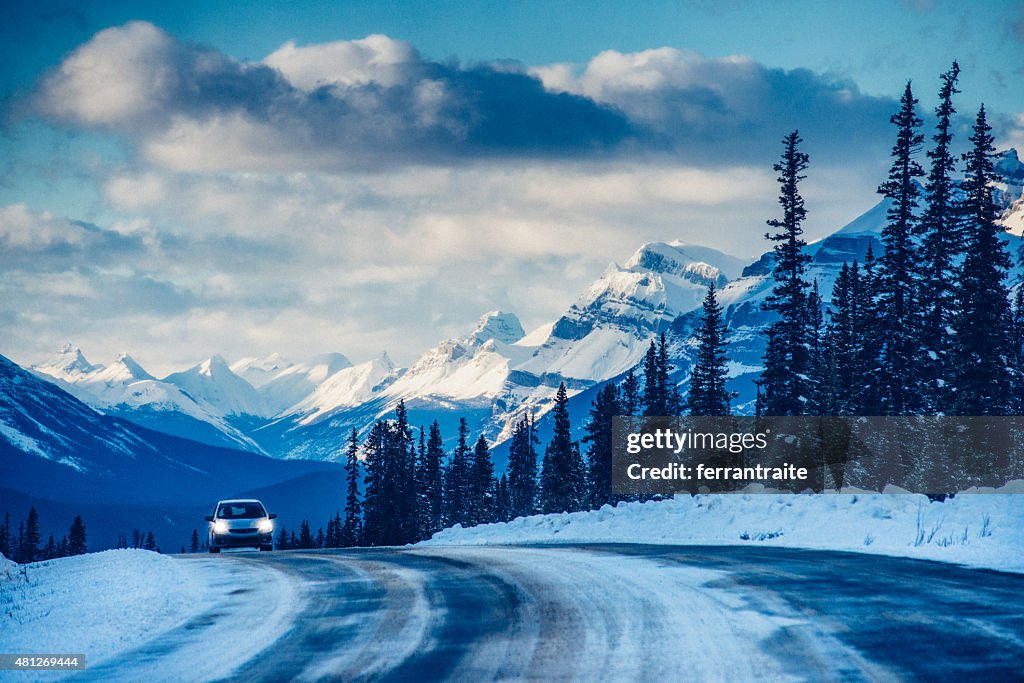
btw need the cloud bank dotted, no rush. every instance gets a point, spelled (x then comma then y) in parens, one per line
(376, 102)
(355, 196)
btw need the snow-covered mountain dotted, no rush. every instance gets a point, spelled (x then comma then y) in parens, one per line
(495, 372)
(606, 331)
(54, 447)
(259, 371)
(1010, 191)
(348, 388)
(214, 384)
(125, 389)
(296, 381)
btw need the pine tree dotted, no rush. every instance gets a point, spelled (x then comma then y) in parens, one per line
(654, 388)
(660, 396)
(673, 402)
(869, 332)
(423, 514)
(150, 542)
(77, 537)
(293, 542)
(562, 479)
(629, 398)
(30, 538)
(940, 248)
(708, 395)
(318, 542)
(901, 385)
(283, 540)
(983, 363)
(599, 442)
(49, 551)
(784, 380)
(522, 469)
(481, 484)
(305, 536)
(502, 501)
(136, 538)
(377, 506)
(193, 546)
(434, 481)
(349, 533)
(1017, 347)
(821, 391)
(62, 548)
(402, 449)
(842, 342)
(457, 479)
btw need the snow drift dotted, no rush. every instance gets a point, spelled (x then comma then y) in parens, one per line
(974, 530)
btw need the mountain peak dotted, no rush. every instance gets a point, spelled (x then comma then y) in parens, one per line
(499, 326)
(69, 362)
(213, 364)
(130, 367)
(384, 360)
(1010, 160)
(701, 265)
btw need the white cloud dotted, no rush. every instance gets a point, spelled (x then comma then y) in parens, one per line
(133, 192)
(120, 76)
(353, 197)
(20, 228)
(374, 104)
(374, 59)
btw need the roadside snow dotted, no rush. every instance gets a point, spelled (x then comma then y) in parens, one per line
(973, 530)
(95, 604)
(104, 604)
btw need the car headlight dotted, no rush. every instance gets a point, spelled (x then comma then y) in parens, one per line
(266, 526)
(220, 527)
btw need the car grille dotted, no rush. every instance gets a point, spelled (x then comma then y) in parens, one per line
(243, 531)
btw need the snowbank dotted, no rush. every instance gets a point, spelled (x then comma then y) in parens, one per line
(974, 530)
(102, 604)
(95, 604)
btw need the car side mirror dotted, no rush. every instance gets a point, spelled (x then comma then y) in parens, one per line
(209, 518)
(272, 515)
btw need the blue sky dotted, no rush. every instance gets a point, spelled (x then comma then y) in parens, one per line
(156, 157)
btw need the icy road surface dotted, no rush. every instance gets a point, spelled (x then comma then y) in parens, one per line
(607, 612)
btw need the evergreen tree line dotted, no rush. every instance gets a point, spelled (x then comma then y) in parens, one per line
(414, 487)
(927, 327)
(26, 544)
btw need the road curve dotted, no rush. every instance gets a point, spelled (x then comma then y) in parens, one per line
(623, 612)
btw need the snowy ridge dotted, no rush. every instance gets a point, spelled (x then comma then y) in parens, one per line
(213, 384)
(605, 332)
(346, 388)
(68, 364)
(259, 371)
(125, 388)
(295, 382)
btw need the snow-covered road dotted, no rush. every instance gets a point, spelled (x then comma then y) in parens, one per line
(599, 612)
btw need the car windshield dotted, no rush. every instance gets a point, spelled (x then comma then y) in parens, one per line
(241, 511)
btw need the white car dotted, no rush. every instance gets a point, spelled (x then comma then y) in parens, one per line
(241, 524)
